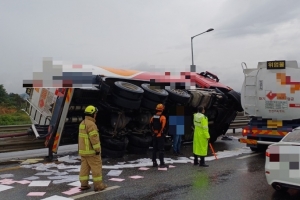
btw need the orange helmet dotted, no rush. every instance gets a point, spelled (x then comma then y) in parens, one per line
(160, 107)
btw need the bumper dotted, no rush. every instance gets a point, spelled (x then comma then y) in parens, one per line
(254, 142)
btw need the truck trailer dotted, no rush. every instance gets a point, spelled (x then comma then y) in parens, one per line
(270, 97)
(126, 100)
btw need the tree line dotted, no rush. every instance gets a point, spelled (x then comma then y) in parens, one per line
(11, 99)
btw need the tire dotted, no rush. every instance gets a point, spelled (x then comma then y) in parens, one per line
(139, 141)
(107, 153)
(137, 150)
(154, 94)
(113, 144)
(128, 90)
(126, 103)
(149, 104)
(168, 144)
(213, 135)
(279, 188)
(182, 97)
(237, 100)
(195, 99)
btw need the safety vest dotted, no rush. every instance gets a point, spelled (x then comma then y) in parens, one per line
(197, 119)
(156, 125)
(88, 137)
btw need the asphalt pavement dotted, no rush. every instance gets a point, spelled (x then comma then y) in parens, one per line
(229, 177)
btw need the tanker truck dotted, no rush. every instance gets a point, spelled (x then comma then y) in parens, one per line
(126, 100)
(270, 96)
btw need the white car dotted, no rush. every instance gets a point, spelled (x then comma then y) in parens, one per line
(282, 162)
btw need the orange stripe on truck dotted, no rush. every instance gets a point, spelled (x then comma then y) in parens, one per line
(121, 72)
(69, 95)
(247, 141)
(55, 142)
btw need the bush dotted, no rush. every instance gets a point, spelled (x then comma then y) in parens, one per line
(14, 119)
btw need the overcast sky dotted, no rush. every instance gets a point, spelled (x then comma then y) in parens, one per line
(146, 34)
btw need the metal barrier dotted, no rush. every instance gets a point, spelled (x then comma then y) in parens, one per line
(239, 122)
(23, 127)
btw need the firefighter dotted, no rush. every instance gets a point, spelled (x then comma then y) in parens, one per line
(201, 137)
(90, 151)
(157, 123)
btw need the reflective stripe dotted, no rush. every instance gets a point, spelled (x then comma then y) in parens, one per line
(87, 146)
(83, 135)
(96, 146)
(98, 178)
(84, 178)
(93, 133)
(82, 126)
(87, 152)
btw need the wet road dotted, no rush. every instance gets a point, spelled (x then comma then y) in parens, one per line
(236, 177)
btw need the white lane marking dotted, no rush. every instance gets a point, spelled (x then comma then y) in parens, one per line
(255, 154)
(93, 192)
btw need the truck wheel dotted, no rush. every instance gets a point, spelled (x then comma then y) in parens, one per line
(195, 99)
(178, 96)
(128, 90)
(139, 141)
(237, 98)
(105, 152)
(149, 104)
(126, 103)
(113, 144)
(168, 144)
(154, 94)
(137, 150)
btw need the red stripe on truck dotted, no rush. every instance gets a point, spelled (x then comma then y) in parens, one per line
(294, 105)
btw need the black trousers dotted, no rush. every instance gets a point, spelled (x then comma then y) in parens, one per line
(202, 159)
(158, 146)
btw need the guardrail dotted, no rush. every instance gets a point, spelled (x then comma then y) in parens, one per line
(239, 122)
(15, 128)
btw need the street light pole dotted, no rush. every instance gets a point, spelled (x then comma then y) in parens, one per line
(193, 67)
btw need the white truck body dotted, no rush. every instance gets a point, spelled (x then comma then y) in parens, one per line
(272, 93)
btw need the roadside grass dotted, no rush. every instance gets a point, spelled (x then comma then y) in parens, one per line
(13, 117)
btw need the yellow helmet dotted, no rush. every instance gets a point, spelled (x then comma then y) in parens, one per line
(160, 107)
(90, 110)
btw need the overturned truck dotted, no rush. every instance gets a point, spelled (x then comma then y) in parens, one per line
(126, 100)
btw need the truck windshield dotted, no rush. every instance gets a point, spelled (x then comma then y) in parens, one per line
(292, 136)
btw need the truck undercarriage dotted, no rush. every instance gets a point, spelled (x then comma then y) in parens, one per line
(126, 106)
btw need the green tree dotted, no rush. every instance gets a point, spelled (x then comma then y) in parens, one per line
(3, 95)
(16, 100)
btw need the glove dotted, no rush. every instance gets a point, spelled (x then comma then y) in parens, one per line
(98, 153)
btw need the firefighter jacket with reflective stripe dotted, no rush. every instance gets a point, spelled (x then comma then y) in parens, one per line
(157, 124)
(88, 138)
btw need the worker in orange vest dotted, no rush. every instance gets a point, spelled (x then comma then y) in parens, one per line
(157, 124)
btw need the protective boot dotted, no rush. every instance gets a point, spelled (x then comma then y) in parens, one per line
(99, 187)
(196, 160)
(155, 164)
(202, 162)
(161, 160)
(85, 187)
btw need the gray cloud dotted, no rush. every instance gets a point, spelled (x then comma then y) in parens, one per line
(145, 34)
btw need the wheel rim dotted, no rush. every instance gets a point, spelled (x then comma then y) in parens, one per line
(129, 86)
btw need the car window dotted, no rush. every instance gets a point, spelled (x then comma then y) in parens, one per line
(292, 136)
